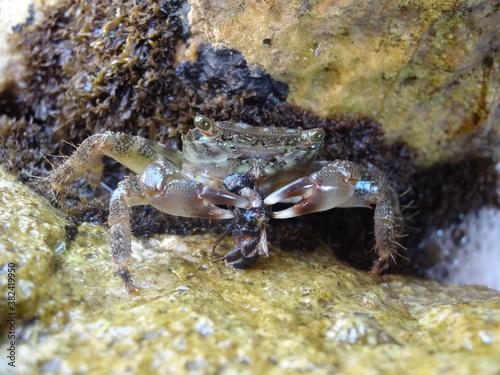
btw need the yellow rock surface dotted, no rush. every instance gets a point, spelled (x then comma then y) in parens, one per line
(428, 71)
(293, 313)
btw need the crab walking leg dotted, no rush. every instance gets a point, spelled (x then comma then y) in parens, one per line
(132, 151)
(126, 195)
(83, 159)
(387, 217)
(162, 185)
(329, 187)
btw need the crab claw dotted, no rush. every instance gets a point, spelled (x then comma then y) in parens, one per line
(210, 197)
(192, 199)
(167, 189)
(329, 187)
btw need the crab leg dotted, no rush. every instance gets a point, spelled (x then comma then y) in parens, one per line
(126, 195)
(83, 159)
(387, 218)
(132, 151)
(160, 183)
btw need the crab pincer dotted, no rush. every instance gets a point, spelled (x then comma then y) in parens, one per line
(329, 187)
(343, 183)
(167, 189)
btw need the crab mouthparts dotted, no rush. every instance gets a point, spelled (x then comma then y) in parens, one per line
(248, 228)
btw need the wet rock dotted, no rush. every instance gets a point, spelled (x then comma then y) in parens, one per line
(293, 312)
(135, 67)
(31, 234)
(428, 72)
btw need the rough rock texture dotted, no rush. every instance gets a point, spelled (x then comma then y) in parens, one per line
(132, 66)
(299, 313)
(428, 71)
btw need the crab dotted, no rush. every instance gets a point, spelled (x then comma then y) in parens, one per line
(232, 170)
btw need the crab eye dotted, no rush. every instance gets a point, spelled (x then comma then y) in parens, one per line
(316, 135)
(313, 136)
(204, 124)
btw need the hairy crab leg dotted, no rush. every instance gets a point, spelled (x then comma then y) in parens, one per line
(373, 189)
(387, 220)
(86, 157)
(126, 195)
(160, 183)
(134, 152)
(175, 196)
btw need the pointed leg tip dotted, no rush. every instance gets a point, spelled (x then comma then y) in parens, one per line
(133, 291)
(378, 267)
(218, 260)
(129, 284)
(373, 273)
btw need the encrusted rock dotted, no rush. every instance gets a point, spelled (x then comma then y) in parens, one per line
(294, 312)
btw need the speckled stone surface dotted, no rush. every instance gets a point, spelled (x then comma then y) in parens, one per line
(428, 71)
(293, 313)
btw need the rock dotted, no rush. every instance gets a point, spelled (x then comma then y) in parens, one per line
(428, 72)
(13, 15)
(10, 63)
(31, 234)
(294, 312)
